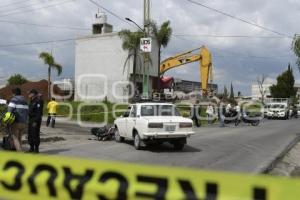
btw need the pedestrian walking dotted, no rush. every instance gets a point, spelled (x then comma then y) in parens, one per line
(35, 120)
(221, 112)
(18, 107)
(237, 108)
(195, 114)
(51, 107)
(209, 113)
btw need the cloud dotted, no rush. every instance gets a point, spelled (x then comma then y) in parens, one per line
(237, 60)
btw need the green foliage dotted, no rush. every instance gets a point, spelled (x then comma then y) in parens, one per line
(16, 79)
(294, 101)
(131, 40)
(49, 60)
(296, 49)
(285, 85)
(89, 113)
(231, 97)
(162, 34)
(225, 93)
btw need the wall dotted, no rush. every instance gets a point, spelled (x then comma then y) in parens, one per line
(100, 59)
(255, 93)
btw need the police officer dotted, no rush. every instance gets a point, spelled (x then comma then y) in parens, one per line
(35, 120)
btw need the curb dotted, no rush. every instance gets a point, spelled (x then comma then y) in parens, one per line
(272, 164)
(47, 139)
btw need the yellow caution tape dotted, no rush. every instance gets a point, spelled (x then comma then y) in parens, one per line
(25, 176)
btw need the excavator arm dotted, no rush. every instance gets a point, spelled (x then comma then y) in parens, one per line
(204, 57)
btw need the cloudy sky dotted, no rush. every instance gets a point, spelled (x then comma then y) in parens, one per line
(237, 59)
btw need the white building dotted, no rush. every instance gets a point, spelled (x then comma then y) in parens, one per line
(100, 72)
(255, 91)
(257, 95)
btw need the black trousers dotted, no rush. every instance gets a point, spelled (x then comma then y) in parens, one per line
(195, 119)
(51, 118)
(34, 134)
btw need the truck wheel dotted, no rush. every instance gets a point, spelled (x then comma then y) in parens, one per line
(137, 142)
(118, 138)
(178, 145)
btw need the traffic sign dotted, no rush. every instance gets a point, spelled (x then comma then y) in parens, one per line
(146, 45)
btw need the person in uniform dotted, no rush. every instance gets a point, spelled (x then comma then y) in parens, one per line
(35, 119)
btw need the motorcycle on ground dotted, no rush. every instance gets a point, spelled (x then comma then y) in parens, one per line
(246, 117)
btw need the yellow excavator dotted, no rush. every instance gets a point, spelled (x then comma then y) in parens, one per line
(204, 57)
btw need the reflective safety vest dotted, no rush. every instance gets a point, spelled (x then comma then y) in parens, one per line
(8, 118)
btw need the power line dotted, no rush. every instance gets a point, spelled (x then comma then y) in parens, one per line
(39, 42)
(11, 4)
(36, 9)
(24, 6)
(43, 25)
(232, 36)
(109, 11)
(239, 19)
(239, 55)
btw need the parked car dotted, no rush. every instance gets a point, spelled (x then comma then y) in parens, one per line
(152, 123)
(278, 110)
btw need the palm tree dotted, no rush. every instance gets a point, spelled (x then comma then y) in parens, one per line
(49, 60)
(296, 49)
(163, 37)
(131, 42)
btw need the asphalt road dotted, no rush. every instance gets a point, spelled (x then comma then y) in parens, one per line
(242, 149)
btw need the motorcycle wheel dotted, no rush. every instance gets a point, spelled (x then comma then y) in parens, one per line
(255, 123)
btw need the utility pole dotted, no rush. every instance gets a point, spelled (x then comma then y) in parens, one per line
(146, 55)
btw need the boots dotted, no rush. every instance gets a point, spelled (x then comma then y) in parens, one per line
(36, 149)
(31, 148)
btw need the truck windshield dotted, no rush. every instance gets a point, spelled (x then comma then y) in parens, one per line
(277, 106)
(159, 110)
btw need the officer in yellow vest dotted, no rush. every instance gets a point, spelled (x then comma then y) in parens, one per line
(51, 107)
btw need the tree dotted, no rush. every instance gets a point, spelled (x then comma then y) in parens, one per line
(231, 97)
(225, 93)
(16, 79)
(285, 85)
(260, 82)
(296, 49)
(49, 60)
(162, 35)
(131, 42)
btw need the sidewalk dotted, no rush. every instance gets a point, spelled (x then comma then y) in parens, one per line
(289, 165)
(64, 130)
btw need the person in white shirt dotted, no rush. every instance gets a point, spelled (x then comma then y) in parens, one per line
(228, 108)
(237, 108)
(210, 113)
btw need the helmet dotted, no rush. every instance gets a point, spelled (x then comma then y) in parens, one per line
(8, 118)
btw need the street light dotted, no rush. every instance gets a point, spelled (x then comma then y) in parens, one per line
(128, 19)
(146, 62)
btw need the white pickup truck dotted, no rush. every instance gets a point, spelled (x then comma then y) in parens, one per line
(150, 123)
(278, 110)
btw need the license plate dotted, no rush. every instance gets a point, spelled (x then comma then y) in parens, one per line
(170, 128)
